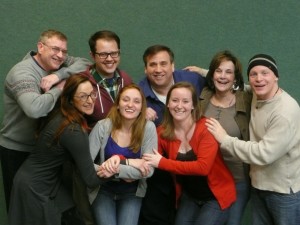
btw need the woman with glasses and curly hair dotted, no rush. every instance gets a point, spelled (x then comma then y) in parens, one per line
(39, 196)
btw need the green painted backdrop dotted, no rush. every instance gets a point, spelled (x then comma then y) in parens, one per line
(194, 29)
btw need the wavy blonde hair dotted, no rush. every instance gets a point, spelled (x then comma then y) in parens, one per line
(138, 126)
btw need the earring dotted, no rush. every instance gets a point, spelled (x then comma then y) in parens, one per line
(235, 87)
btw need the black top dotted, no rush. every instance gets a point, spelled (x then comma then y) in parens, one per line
(194, 186)
(38, 195)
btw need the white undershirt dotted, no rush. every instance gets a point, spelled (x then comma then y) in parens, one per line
(161, 98)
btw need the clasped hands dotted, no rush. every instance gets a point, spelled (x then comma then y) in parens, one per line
(50, 81)
(111, 167)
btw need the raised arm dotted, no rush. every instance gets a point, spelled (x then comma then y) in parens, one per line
(201, 71)
(72, 65)
(205, 148)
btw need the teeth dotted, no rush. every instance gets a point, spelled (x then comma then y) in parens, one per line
(109, 64)
(129, 110)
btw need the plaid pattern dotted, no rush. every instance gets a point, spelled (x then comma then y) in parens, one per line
(111, 85)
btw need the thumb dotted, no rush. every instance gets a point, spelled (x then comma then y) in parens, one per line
(155, 151)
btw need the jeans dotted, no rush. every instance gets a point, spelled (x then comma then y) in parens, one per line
(238, 207)
(193, 212)
(272, 208)
(116, 209)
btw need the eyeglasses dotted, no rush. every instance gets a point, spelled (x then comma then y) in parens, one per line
(104, 55)
(57, 50)
(84, 97)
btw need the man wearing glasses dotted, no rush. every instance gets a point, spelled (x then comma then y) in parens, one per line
(107, 80)
(104, 74)
(31, 89)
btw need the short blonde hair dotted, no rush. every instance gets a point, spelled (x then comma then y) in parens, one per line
(52, 33)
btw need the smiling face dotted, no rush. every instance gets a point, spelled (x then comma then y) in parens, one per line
(84, 98)
(130, 104)
(223, 77)
(159, 69)
(263, 82)
(180, 104)
(51, 53)
(107, 66)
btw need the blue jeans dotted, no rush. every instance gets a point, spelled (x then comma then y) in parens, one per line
(116, 209)
(272, 208)
(238, 207)
(193, 212)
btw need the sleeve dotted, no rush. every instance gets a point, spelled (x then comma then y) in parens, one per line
(76, 142)
(268, 149)
(197, 80)
(247, 88)
(206, 149)
(96, 139)
(72, 65)
(149, 143)
(24, 86)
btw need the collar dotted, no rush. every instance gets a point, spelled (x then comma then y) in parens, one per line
(206, 95)
(100, 78)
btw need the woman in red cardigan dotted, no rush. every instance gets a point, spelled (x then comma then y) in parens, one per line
(187, 149)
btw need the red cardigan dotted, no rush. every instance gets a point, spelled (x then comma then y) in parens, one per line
(209, 163)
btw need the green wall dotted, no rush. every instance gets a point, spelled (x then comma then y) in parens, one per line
(194, 29)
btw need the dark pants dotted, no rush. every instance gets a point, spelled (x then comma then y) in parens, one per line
(11, 160)
(80, 197)
(158, 205)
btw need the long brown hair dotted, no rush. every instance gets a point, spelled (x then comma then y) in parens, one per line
(168, 123)
(65, 106)
(138, 126)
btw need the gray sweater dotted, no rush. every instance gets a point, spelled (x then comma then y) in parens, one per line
(273, 151)
(24, 100)
(98, 140)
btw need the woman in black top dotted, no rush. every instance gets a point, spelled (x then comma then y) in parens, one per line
(39, 195)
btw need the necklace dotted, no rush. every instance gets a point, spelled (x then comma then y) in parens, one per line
(218, 103)
(276, 92)
(231, 101)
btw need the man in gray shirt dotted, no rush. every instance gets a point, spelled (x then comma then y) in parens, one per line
(31, 89)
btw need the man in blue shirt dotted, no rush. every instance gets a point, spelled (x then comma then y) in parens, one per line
(159, 203)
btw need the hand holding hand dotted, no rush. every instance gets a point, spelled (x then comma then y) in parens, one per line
(141, 165)
(102, 172)
(112, 164)
(152, 159)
